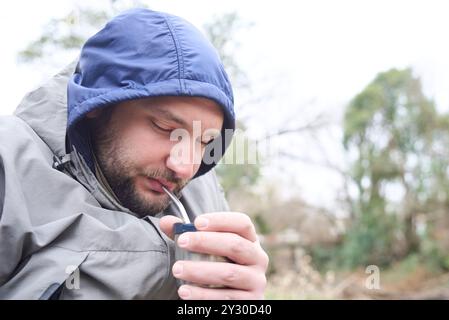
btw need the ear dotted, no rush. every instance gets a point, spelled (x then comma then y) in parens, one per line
(94, 114)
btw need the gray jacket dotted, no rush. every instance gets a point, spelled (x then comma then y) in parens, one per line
(61, 234)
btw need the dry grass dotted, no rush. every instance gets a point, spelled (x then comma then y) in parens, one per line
(396, 282)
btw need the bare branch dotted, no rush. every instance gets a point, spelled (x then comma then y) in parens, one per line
(313, 125)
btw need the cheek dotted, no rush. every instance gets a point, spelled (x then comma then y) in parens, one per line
(145, 147)
(195, 169)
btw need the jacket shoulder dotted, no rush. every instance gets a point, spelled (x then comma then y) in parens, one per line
(16, 136)
(14, 129)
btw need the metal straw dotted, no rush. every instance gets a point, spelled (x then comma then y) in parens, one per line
(178, 205)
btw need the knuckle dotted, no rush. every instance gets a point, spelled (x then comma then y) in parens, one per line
(242, 217)
(248, 226)
(247, 221)
(263, 282)
(259, 292)
(230, 276)
(260, 282)
(265, 261)
(197, 240)
(237, 247)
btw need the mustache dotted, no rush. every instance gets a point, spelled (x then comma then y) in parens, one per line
(167, 175)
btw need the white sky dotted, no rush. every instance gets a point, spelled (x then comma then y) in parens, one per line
(297, 51)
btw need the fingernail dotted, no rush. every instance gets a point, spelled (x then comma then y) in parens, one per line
(183, 240)
(184, 293)
(177, 269)
(201, 222)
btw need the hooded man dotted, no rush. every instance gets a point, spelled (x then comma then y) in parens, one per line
(83, 161)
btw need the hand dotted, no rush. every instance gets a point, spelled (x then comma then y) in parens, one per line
(227, 234)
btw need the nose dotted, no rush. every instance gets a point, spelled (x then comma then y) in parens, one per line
(184, 159)
(183, 170)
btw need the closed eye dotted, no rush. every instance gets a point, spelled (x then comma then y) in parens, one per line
(205, 143)
(163, 129)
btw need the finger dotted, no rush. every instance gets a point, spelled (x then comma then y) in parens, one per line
(234, 222)
(230, 245)
(166, 223)
(229, 275)
(189, 292)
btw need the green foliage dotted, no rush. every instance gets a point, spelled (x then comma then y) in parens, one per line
(397, 142)
(237, 176)
(235, 171)
(431, 254)
(325, 257)
(262, 227)
(369, 241)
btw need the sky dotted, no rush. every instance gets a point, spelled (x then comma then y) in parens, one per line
(302, 58)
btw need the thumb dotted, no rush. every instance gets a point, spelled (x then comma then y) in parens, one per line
(166, 224)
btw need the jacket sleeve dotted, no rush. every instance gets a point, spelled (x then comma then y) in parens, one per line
(15, 231)
(2, 187)
(10, 245)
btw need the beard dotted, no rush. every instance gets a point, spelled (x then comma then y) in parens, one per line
(121, 173)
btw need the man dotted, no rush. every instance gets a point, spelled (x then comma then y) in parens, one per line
(81, 174)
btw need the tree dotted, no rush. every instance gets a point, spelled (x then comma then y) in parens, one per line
(222, 32)
(67, 34)
(397, 143)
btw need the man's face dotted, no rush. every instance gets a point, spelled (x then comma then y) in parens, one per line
(134, 147)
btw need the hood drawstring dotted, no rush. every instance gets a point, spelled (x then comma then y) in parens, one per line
(60, 162)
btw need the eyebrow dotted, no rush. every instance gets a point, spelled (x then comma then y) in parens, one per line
(170, 116)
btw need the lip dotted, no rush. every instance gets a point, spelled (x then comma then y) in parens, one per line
(156, 185)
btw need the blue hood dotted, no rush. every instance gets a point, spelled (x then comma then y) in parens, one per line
(140, 54)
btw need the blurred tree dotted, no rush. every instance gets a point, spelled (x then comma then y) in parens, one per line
(223, 32)
(397, 143)
(240, 169)
(68, 34)
(236, 178)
